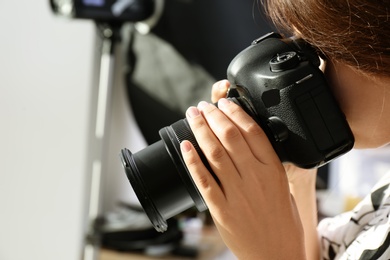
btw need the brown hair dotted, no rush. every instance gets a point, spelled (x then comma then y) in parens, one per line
(355, 32)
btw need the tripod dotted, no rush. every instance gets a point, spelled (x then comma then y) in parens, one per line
(108, 36)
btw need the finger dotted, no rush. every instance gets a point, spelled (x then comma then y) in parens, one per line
(231, 138)
(215, 153)
(204, 181)
(253, 134)
(219, 90)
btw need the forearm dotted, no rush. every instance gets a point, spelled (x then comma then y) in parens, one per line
(304, 193)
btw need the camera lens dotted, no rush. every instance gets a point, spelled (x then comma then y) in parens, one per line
(160, 178)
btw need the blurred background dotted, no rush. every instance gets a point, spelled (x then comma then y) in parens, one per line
(52, 159)
(45, 94)
(76, 90)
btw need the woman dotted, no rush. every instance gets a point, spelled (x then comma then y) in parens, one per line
(266, 210)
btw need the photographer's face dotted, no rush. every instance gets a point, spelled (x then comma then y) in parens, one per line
(365, 102)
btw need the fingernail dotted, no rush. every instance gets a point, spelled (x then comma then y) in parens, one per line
(192, 112)
(222, 85)
(223, 102)
(202, 104)
(185, 146)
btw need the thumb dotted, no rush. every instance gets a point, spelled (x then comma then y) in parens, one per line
(219, 90)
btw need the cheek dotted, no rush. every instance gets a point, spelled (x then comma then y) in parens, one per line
(344, 91)
(357, 100)
(365, 103)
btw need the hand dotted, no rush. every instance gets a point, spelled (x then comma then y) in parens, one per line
(251, 205)
(295, 175)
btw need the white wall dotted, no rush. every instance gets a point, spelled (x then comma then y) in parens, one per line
(45, 84)
(123, 133)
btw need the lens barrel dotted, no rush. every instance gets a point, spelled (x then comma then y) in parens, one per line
(159, 177)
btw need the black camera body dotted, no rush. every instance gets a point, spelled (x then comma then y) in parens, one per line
(280, 81)
(277, 81)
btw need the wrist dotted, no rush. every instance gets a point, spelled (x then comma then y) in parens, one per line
(301, 177)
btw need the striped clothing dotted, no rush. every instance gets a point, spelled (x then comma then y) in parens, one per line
(363, 233)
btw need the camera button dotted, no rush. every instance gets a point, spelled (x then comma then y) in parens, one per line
(284, 61)
(271, 98)
(278, 129)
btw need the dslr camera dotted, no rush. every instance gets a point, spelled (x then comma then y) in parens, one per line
(277, 81)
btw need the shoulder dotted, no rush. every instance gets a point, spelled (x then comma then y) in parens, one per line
(362, 232)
